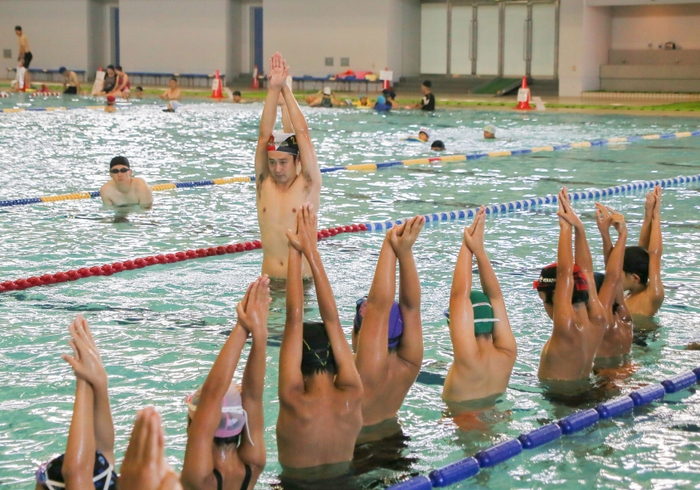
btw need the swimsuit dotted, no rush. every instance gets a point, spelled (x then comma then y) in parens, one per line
(244, 485)
(109, 83)
(27, 59)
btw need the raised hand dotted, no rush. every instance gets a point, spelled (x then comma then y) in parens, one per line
(650, 202)
(278, 72)
(656, 214)
(618, 221)
(144, 466)
(253, 309)
(603, 218)
(86, 361)
(305, 238)
(566, 212)
(474, 235)
(403, 237)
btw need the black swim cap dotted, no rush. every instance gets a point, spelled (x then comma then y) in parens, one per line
(428, 83)
(317, 354)
(119, 161)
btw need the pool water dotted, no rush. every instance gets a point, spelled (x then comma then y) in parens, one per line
(160, 328)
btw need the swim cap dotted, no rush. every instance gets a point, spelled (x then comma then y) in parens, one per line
(50, 474)
(62, 70)
(317, 354)
(426, 131)
(437, 145)
(119, 161)
(111, 99)
(381, 100)
(483, 313)
(326, 91)
(281, 141)
(233, 416)
(547, 283)
(490, 128)
(395, 321)
(362, 96)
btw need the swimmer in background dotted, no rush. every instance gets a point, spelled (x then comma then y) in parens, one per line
(25, 55)
(287, 173)
(387, 336)
(123, 189)
(437, 146)
(226, 444)
(578, 316)
(320, 390)
(138, 92)
(482, 340)
(642, 266)
(172, 92)
(617, 340)
(363, 102)
(327, 99)
(381, 105)
(423, 136)
(111, 104)
(489, 132)
(237, 99)
(71, 83)
(89, 458)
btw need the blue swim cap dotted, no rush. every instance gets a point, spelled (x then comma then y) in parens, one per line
(381, 100)
(395, 321)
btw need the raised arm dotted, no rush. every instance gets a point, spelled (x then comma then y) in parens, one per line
(645, 233)
(347, 377)
(277, 79)
(461, 312)
(291, 381)
(563, 314)
(372, 341)
(503, 338)
(198, 466)
(254, 319)
(655, 288)
(411, 345)
(613, 268)
(604, 222)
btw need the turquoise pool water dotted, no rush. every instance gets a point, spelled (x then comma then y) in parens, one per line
(160, 328)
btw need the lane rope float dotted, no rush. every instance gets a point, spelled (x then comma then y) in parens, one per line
(109, 269)
(361, 167)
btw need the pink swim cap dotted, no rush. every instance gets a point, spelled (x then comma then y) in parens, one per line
(233, 416)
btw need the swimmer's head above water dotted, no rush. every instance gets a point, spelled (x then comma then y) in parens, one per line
(547, 283)
(489, 132)
(483, 313)
(283, 157)
(424, 134)
(233, 416)
(395, 323)
(317, 353)
(636, 269)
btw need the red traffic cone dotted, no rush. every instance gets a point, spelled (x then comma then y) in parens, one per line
(256, 82)
(216, 92)
(386, 84)
(524, 97)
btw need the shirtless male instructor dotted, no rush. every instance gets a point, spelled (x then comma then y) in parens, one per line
(286, 171)
(124, 189)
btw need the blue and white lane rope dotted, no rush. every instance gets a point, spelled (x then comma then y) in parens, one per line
(366, 167)
(503, 451)
(536, 201)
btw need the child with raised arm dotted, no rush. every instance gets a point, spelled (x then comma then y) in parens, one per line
(574, 307)
(225, 444)
(89, 458)
(319, 388)
(387, 336)
(617, 340)
(642, 266)
(483, 343)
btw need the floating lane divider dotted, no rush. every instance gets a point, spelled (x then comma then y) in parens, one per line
(363, 167)
(576, 422)
(109, 269)
(169, 258)
(48, 109)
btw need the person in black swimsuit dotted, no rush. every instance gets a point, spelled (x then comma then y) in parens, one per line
(225, 444)
(110, 80)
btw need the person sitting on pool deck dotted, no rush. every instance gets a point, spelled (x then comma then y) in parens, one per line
(319, 388)
(617, 340)
(123, 86)
(642, 266)
(71, 84)
(172, 92)
(483, 343)
(111, 104)
(427, 103)
(123, 189)
(144, 466)
(387, 336)
(287, 173)
(574, 307)
(89, 458)
(225, 445)
(110, 81)
(489, 132)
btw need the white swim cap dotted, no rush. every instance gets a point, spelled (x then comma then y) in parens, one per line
(490, 128)
(326, 91)
(426, 131)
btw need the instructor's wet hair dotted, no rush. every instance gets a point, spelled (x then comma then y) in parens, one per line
(637, 262)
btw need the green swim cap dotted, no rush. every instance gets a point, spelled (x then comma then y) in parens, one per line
(483, 313)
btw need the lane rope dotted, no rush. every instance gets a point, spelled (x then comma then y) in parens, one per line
(109, 269)
(576, 422)
(361, 167)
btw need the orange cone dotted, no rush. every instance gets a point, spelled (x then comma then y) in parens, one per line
(216, 92)
(256, 83)
(524, 97)
(386, 85)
